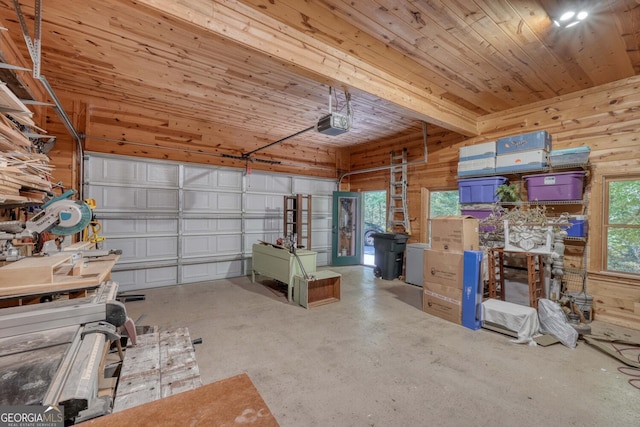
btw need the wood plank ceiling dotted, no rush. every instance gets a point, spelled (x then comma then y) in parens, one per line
(265, 66)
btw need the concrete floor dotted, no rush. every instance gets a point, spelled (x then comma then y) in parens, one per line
(376, 359)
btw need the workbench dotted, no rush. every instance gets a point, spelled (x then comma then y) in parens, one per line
(278, 263)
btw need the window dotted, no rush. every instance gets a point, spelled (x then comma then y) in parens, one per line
(621, 228)
(444, 203)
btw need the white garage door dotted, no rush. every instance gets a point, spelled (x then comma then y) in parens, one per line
(184, 223)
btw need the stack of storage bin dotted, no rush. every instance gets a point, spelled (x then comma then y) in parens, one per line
(479, 159)
(529, 151)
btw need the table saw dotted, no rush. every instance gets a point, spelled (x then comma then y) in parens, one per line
(54, 353)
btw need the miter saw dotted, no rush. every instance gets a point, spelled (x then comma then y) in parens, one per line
(60, 215)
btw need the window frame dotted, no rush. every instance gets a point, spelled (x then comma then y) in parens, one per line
(425, 210)
(606, 226)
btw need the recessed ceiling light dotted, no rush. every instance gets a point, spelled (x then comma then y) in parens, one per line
(582, 15)
(570, 18)
(567, 15)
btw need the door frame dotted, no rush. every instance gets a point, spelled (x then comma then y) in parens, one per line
(354, 223)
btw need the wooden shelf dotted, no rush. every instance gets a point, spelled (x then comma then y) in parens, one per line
(547, 169)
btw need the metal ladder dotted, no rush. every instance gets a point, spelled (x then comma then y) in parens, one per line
(398, 212)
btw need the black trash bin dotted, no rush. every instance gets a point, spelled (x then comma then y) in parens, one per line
(389, 253)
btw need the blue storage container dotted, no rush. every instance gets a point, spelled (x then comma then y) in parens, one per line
(472, 290)
(540, 140)
(570, 156)
(479, 190)
(577, 227)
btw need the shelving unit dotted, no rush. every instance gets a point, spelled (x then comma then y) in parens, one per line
(574, 279)
(297, 219)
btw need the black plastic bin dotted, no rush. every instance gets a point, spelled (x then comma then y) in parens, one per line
(389, 254)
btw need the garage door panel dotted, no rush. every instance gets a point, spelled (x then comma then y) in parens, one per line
(265, 203)
(320, 239)
(204, 178)
(133, 280)
(130, 199)
(161, 199)
(211, 271)
(251, 238)
(160, 247)
(132, 172)
(313, 186)
(260, 182)
(211, 245)
(323, 259)
(144, 248)
(161, 175)
(207, 201)
(128, 227)
(183, 223)
(322, 204)
(228, 179)
(208, 179)
(199, 225)
(263, 224)
(117, 198)
(323, 224)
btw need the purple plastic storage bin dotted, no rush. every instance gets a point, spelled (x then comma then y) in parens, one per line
(480, 214)
(555, 186)
(476, 213)
(479, 190)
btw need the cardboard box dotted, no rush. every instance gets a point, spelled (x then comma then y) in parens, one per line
(540, 140)
(455, 233)
(444, 268)
(442, 301)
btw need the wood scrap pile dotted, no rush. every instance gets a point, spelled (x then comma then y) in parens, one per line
(25, 174)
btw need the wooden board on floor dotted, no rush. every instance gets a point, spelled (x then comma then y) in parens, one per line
(232, 401)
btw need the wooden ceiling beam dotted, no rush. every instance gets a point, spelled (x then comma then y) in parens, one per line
(232, 20)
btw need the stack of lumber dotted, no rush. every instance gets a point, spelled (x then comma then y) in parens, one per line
(25, 175)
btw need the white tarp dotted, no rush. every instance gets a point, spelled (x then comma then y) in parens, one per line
(523, 320)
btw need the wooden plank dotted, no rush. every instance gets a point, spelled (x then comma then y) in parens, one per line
(160, 365)
(312, 56)
(31, 270)
(140, 375)
(92, 274)
(230, 401)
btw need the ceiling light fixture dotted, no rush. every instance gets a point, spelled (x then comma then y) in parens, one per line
(570, 18)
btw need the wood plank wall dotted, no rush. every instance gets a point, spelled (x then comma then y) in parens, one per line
(119, 129)
(607, 119)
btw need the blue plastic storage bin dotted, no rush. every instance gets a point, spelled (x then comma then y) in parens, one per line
(479, 190)
(540, 140)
